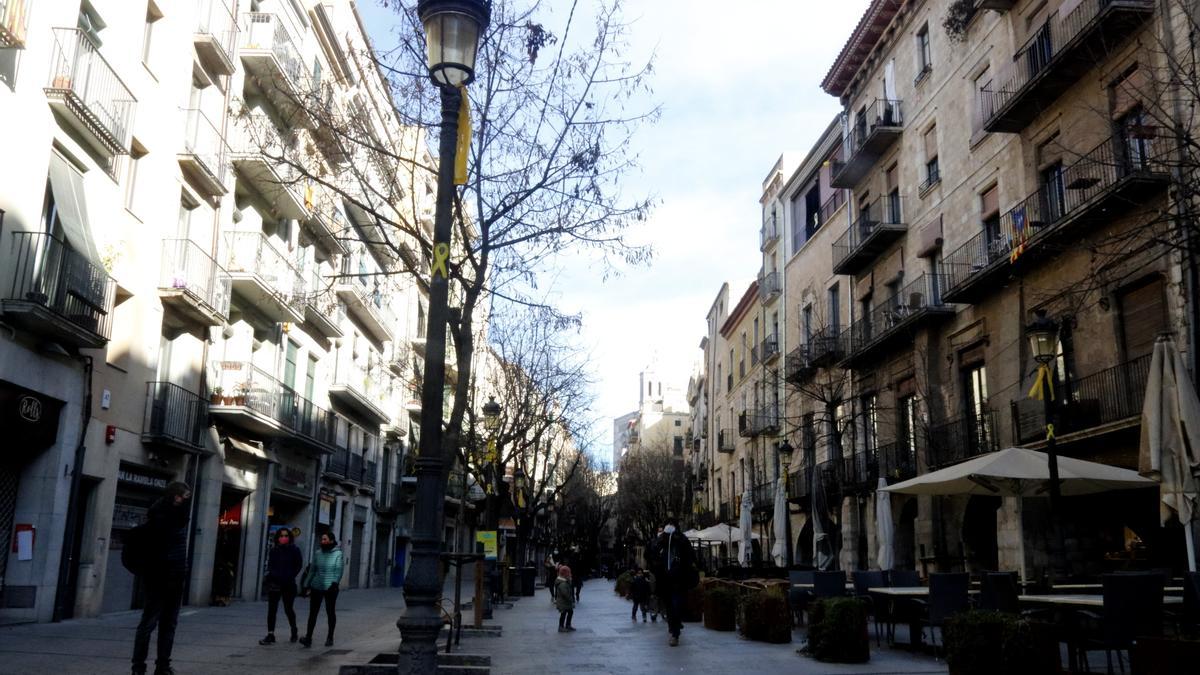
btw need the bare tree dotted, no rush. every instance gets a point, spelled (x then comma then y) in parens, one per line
(651, 488)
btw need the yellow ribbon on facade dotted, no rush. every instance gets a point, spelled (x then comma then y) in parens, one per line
(441, 255)
(464, 138)
(1044, 384)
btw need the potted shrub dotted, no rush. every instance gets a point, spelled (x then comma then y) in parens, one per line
(984, 642)
(838, 631)
(215, 397)
(720, 607)
(764, 615)
(624, 581)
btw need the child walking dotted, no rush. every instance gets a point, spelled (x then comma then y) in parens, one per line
(639, 592)
(564, 599)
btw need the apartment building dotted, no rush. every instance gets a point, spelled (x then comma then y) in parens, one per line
(662, 420)
(183, 301)
(987, 167)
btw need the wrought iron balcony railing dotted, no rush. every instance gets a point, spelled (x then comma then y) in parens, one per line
(57, 291)
(216, 32)
(174, 416)
(14, 22)
(726, 441)
(961, 439)
(1093, 402)
(87, 89)
(768, 286)
(206, 154)
(769, 349)
(879, 223)
(872, 132)
(895, 318)
(189, 271)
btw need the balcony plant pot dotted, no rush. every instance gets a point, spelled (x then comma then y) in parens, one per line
(61, 82)
(984, 642)
(227, 400)
(239, 399)
(215, 398)
(838, 631)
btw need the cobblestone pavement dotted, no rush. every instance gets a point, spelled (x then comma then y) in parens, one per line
(606, 641)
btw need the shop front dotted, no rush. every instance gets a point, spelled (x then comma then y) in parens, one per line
(137, 488)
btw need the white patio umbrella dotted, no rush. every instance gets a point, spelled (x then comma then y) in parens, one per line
(779, 550)
(721, 532)
(1170, 445)
(885, 530)
(1020, 472)
(744, 525)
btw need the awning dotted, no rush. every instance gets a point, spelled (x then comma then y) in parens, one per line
(253, 449)
(67, 185)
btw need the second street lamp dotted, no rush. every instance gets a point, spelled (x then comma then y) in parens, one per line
(452, 30)
(1042, 334)
(784, 448)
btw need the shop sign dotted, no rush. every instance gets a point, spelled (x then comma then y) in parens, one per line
(487, 538)
(129, 474)
(29, 419)
(325, 511)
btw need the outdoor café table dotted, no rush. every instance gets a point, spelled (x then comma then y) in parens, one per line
(1080, 599)
(1100, 587)
(898, 594)
(809, 587)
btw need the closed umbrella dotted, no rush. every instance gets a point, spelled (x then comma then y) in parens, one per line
(778, 551)
(1170, 445)
(822, 546)
(745, 525)
(885, 531)
(1020, 472)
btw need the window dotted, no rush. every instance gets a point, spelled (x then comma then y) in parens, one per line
(311, 382)
(807, 324)
(932, 174)
(1143, 313)
(869, 423)
(906, 426)
(835, 318)
(984, 102)
(1138, 138)
(975, 384)
(892, 180)
(289, 365)
(678, 423)
(989, 213)
(796, 207)
(1053, 195)
(924, 59)
(812, 206)
(677, 448)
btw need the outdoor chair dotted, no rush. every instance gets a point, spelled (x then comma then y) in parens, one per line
(880, 608)
(903, 578)
(798, 598)
(829, 584)
(949, 594)
(1133, 608)
(998, 592)
(1188, 619)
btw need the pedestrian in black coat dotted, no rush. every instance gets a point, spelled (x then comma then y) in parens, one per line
(283, 564)
(166, 570)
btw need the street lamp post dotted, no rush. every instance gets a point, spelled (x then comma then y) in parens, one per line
(522, 526)
(491, 424)
(1043, 343)
(784, 448)
(452, 29)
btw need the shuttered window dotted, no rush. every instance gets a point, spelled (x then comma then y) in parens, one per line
(1143, 317)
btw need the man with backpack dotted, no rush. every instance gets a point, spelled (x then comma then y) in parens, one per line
(675, 571)
(156, 551)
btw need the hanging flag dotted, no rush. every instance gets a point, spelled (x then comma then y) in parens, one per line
(464, 138)
(1019, 234)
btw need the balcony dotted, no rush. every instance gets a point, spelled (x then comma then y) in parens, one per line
(390, 497)
(356, 388)
(1107, 181)
(762, 497)
(87, 93)
(878, 226)
(860, 473)
(1107, 400)
(192, 283)
(826, 347)
(310, 423)
(369, 475)
(203, 156)
(1058, 55)
(769, 234)
(831, 206)
(260, 159)
(174, 417)
(768, 286)
(354, 471)
(798, 367)
(57, 292)
(294, 480)
(364, 304)
(14, 21)
(894, 321)
(264, 277)
(725, 441)
(799, 485)
(897, 461)
(961, 439)
(251, 399)
(768, 351)
(214, 38)
(272, 58)
(339, 463)
(746, 426)
(321, 307)
(874, 131)
(766, 420)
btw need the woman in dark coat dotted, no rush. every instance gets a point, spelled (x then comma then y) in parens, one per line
(283, 564)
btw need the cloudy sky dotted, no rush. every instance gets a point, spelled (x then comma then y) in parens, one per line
(739, 83)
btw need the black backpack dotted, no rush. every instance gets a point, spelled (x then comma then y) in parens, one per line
(135, 549)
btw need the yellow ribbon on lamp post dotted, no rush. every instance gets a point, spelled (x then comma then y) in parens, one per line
(464, 138)
(1043, 385)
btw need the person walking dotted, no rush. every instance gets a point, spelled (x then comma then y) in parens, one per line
(165, 567)
(564, 599)
(577, 584)
(322, 583)
(639, 592)
(283, 564)
(676, 575)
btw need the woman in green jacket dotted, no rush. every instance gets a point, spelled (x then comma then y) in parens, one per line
(322, 582)
(564, 599)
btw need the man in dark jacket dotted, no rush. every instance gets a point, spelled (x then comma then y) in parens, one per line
(167, 570)
(283, 564)
(675, 569)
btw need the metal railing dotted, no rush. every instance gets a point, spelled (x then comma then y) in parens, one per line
(1074, 188)
(885, 212)
(768, 285)
(339, 462)
(906, 304)
(252, 252)
(369, 478)
(966, 437)
(189, 268)
(934, 177)
(898, 461)
(307, 418)
(746, 423)
(831, 206)
(769, 231)
(215, 18)
(726, 441)
(204, 141)
(799, 483)
(245, 385)
(357, 376)
(174, 414)
(14, 20)
(769, 348)
(1040, 53)
(826, 345)
(882, 113)
(798, 366)
(860, 472)
(355, 469)
(89, 85)
(266, 31)
(48, 272)
(1104, 397)
(762, 496)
